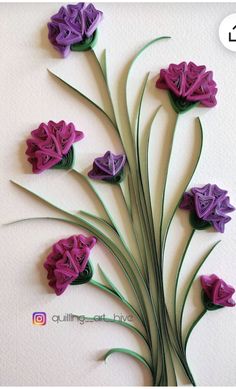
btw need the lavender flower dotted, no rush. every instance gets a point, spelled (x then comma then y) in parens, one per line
(74, 28)
(108, 168)
(208, 206)
(216, 293)
(67, 261)
(51, 146)
(188, 85)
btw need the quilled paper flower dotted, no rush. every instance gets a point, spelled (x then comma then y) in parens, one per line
(67, 263)
(74, 28)
(108, 168)
(216, 293)
(208, 206)
(188, 85)
(51, 146)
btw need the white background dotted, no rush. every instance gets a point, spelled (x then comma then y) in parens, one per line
(69, 353)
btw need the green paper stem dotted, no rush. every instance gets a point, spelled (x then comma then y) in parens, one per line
(119, 322)
(161, 240)
(144, 269)
(111, 222)
(131, 353)
(95, 105)
(192, 327)
(190, 285)
(177, 280)
(186, 185)
(120, 297)
(132, 64)
(105, 78)
(98, 219)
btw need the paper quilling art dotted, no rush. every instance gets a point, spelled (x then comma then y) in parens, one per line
(50, 146)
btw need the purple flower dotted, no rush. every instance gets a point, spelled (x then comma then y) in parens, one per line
(108, 168)
(74, 25)
(208, 205)
(188, 84)
(67, 260)
(51, 145)
(216, 292)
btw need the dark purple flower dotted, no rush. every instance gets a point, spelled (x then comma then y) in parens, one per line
(208, 205)
(188, 84)
(67, 260)
(216, 292)
(51, 144)
(74, 25)
(108, 168)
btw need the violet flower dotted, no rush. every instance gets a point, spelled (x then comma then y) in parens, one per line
(108, 168)
(208, 206)
(74, 28)
(216, 293)
(188, 85)
(51, 146)
(67, 262)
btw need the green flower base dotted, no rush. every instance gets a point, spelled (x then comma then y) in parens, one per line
(197, 223)
(179, 104)
(116, 179)
(67, 161)
(85, 276)
(87, 44)
(208, 304)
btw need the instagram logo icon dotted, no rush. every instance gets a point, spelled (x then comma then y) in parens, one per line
(39, 318)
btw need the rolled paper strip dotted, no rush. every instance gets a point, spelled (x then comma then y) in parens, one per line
(51, 146)
(197, 223)
(87, 44)
(208, 206)
(180, 104)
(84, 276)
(216, 293)
(208, 304)
(74, 28)
(68, 261)
(108, 168)
(188, 85)
(67, 161)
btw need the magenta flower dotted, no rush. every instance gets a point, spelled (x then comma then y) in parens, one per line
(188, 85)
(51, 146)
(74, 28)
(208, 206)
(68, 261)
(108, 168)
(216, 293)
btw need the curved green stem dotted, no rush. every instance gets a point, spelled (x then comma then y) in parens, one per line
(95, 105)
(131, 353)
(187, 183)
(177, 280)
(192, 327)
(164, 193)
(189, 287)
(119, 322)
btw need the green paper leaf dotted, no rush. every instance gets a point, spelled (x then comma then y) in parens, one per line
(95, 105)
(190, 285)
(119, 322)
(129, 352)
